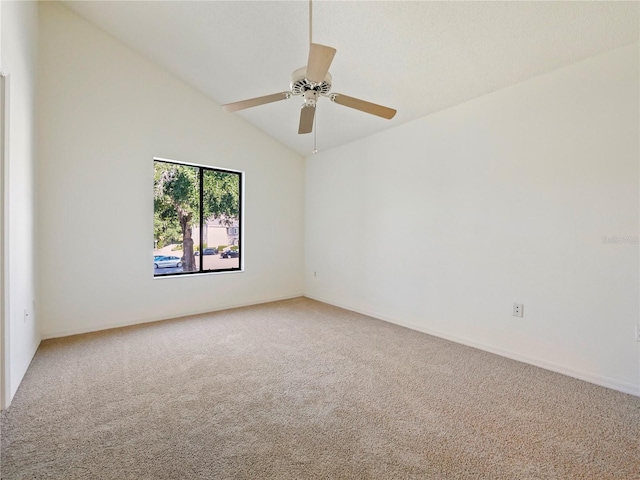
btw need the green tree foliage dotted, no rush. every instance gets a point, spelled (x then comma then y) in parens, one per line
(177, 203)
(166, 230)
(221, 196)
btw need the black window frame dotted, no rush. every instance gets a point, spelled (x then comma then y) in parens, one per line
(201, 220)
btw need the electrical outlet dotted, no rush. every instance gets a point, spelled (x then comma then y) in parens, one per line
(518, 310)
(26, 315)
(315, 274)
(638, 332)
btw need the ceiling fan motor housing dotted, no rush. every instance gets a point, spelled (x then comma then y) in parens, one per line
(301, 84)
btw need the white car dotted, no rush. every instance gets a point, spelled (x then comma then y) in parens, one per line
(161, 261)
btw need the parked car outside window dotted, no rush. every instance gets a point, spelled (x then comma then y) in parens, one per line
(166, 262)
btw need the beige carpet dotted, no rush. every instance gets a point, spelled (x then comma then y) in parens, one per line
(299, 389)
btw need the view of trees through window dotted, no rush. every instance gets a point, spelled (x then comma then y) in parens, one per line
(197, 213)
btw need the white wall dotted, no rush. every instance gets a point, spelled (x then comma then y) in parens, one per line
(19, 63)
(106, 112)
(443, 223)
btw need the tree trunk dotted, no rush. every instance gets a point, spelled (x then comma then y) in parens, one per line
(188, 263)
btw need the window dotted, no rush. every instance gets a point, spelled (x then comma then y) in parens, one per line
(197, 219)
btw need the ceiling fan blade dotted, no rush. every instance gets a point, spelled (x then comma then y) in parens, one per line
(307, 114)
(320, 58)
(367, 107)
(254, 102)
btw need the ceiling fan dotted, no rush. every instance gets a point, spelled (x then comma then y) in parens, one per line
(311, 82)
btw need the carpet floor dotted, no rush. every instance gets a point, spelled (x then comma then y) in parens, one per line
(301, 389)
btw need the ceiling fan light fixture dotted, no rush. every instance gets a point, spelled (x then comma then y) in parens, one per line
(310, 98)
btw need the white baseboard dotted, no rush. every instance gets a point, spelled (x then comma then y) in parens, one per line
(79, 331)
(596, 379)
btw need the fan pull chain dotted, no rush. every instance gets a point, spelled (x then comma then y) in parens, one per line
(315, 137)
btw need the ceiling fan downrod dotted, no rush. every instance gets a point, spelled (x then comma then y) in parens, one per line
(310, 22)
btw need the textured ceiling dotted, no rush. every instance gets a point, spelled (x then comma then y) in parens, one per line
(417, 57)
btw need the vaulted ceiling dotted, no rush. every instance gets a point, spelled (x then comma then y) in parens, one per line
(417, 57)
